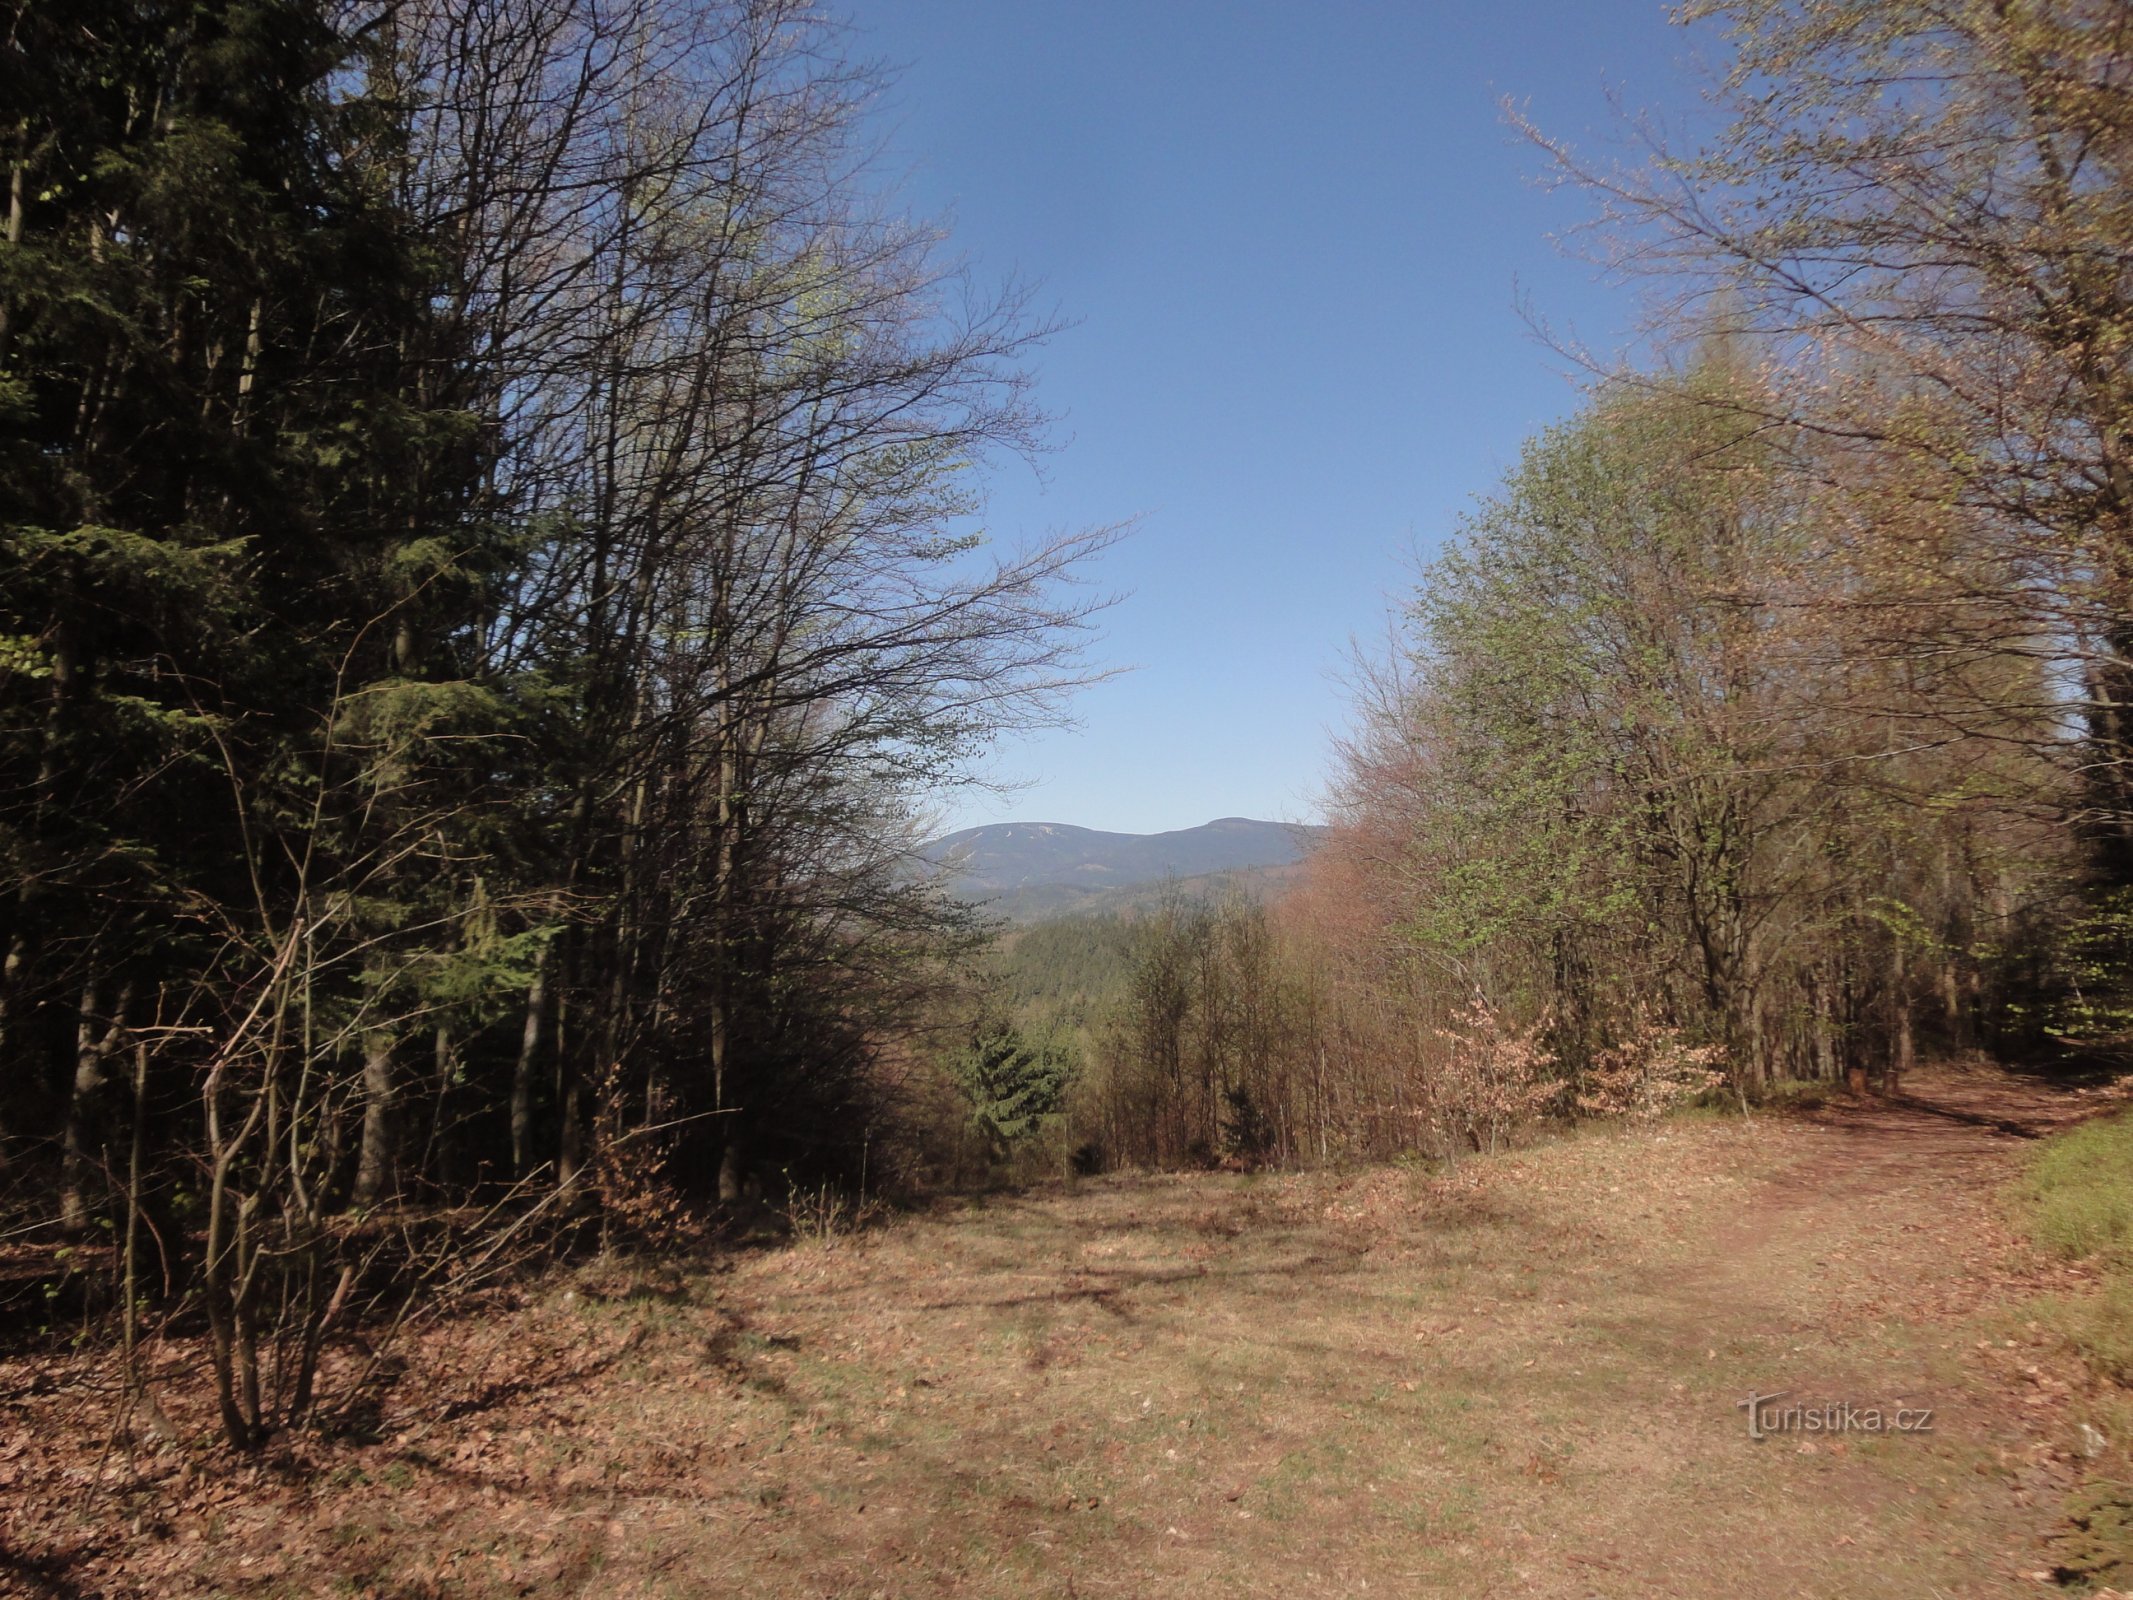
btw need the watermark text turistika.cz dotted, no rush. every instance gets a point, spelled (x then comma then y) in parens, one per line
(1767, 1415)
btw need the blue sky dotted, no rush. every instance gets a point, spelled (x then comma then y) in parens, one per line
(1291, 238)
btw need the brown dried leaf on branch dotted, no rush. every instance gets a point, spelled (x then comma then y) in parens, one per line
(1649, 1072)
(1495, 1075)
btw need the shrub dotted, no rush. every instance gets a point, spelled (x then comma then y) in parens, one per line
(1495, 1075)
(1650, 1072)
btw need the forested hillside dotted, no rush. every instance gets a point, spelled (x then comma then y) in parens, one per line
(1030, 871)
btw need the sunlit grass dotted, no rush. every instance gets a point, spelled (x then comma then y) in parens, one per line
(2080, 1191)
(2078, 1202)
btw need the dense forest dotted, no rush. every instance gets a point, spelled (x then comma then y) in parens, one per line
(490, 590)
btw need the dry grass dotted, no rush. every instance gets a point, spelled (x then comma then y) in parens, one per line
(1518, 1381)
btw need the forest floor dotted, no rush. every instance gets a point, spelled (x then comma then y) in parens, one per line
(1522, 1378)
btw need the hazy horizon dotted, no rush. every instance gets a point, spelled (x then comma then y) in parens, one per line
(1138, 833)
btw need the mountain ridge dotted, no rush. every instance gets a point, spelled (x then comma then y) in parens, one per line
(1030, 870)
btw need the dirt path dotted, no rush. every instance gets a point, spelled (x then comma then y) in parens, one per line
(1520, 1380)
(1865, 1257)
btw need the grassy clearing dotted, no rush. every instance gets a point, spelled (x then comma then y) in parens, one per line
(1519, 1380)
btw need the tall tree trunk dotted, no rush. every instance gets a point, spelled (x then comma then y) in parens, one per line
(1845, 1035)
(1904, 1047)
(376, 1158)
(572, 1131)
(732, 1163)
(16, 172)
(732, 1175)
(15, 1074)
(439, 1156)
(93, 1045)
(529, 1050)
(1825, 1033)
(130, 1259)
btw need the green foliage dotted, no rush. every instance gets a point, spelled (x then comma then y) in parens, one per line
(1013, 1083)
(2077, 1197)
(1068, 970)
(467, 676)
(2095, 1546)
(2079, 1190)
(2092, 972)
(1626, 755)
(1558, 675)
(216, 469)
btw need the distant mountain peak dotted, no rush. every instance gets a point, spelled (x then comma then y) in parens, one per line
(1032, 869)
